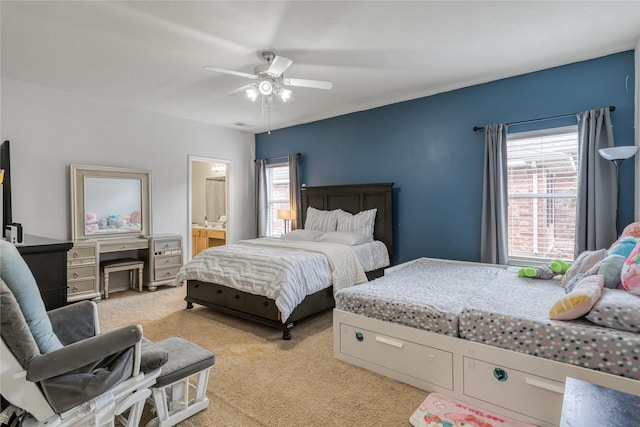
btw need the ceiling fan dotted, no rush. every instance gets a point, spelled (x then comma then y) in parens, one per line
(269, 79)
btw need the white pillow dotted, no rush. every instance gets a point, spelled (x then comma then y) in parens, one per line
(321, 220)
(345, 237)
(302, 235)
(362, 222)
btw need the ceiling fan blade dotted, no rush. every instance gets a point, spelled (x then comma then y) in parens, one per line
(316, 84)
(279, 65)
(235, 73)
(241, 89)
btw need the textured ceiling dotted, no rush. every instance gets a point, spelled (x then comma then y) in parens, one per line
(151, 54)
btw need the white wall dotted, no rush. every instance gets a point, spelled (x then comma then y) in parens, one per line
(51, 129)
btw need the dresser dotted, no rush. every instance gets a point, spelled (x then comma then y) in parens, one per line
(165, 259)
(47, 260)
(82, 271)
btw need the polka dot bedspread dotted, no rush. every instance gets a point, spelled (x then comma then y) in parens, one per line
(494, 306)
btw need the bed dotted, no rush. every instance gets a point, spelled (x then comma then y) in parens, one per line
(246, 301)
(481, 334)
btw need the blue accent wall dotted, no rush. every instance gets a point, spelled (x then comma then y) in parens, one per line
(428, 149)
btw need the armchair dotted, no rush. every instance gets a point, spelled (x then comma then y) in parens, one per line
(58, 367)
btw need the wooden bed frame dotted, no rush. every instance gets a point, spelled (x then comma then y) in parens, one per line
(350, 198)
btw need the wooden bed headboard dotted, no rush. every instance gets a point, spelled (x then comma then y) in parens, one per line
(353, 199)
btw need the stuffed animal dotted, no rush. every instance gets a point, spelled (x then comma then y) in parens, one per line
(545, 272)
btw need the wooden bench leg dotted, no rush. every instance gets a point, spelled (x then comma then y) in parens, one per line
(140, 279)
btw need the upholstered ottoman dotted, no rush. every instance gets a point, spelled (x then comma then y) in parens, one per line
(174, 395)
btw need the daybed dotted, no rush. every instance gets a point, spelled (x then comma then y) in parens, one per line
(482, 334)
(278, 282)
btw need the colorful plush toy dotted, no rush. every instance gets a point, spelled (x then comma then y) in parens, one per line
(545, 272)
(559, 267)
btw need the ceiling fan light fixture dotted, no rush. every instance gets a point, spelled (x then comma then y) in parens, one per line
(284, 94)
(265, 87)
(252, 94)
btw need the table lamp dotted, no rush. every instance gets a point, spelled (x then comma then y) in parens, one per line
(285, 214)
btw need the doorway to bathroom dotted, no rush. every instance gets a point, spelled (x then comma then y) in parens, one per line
(209, 203)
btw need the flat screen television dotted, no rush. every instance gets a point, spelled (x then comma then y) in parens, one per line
(5, 165)
(109, 202)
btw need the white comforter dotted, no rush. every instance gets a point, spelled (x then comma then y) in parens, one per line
(285, 271)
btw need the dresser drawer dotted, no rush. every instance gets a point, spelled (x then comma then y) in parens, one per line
(424, 363)
(80, 272)
(81, 286)
(166, 273)
(531, 395)
(124, 245)
(167, 245)
(166, 261)
(76, 253)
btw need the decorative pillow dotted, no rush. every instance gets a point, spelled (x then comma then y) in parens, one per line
(611, 268)
(630, 274)
(617, 309)
(302, 235)
(363, 222)
(14, 329)
(584, 262)
(321, 220)
(16, 274)
(632, 230)
(579, 301)
(345, 237)
(624, 246)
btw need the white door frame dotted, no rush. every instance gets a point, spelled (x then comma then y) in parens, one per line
(230, 222)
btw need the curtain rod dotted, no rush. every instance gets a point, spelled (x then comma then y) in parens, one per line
(477, 128)
(279, 157)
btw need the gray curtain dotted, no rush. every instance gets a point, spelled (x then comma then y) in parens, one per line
(294, 191)
(262, 201)
(596, 199)
(493, 238)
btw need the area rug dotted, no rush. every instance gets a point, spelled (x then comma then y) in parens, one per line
(442, 411)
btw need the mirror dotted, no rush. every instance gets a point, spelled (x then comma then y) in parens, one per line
(109, 202)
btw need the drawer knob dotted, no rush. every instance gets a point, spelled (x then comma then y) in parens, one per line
(360, 336)
(500, 374)
(75, 289)
(75, 275)
(75, 254)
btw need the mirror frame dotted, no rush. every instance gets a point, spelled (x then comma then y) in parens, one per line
(78, 173)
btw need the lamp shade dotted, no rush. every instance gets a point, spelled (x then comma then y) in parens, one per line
(618, 153)
(284, 214)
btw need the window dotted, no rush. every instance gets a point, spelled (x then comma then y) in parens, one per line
(542, 187)
(278, 196)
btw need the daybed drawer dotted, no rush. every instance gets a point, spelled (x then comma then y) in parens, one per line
(408, 358)
(518, 391)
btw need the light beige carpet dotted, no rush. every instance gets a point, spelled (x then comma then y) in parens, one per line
(261, 380)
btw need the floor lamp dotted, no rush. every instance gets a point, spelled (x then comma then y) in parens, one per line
(617, 155)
